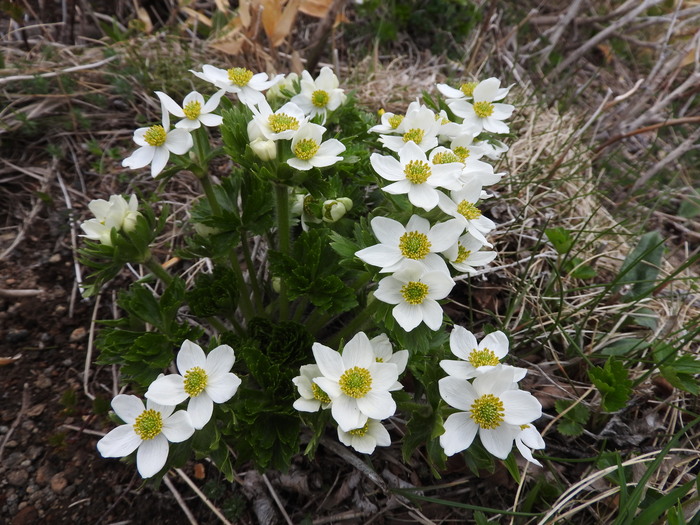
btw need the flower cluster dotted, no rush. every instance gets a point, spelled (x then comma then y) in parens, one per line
(204, 379)
(433, 175)
(116, 213)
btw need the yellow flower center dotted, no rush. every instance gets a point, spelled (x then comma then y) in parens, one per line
(414, 134)
(306, 148)
(195, 381)
(414, 245)
(355, 382)
(280, 122)
(359, 432)
(319, 98)
(308, 201)
(487, 411)
(417, 171)
(461, 152)
(155, 135)
(239, 76)
(414, 292)
(483, 357)
(468, 210)
(462, 254)
(445, 157)
(395, 120)
(149, 424)
(192, 110)
(483, 109)
(468, 88)
(320, 395)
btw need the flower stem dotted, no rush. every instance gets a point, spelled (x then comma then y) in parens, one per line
(211, 195)
(244, 302)
(252, 274)
(158, 270)
(283, 240)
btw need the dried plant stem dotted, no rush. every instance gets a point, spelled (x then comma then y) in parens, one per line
(180, 501)
(201, 495)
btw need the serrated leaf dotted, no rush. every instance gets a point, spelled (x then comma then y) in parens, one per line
(569, 428)
(613, 384)
(560, 238)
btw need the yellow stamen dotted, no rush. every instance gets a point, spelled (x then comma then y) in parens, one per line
(417, 171)
(306, 149)
(355, 382)
(319, 98)
(483, 357)
(239, 76)
(359, 432)
(414, 134)
(193, 110)
(468, 88)
(149, 424)
(487, 411)
(414, 245)
(195, 381)
(280, 122)
(468, 210)
(414, 292)
(483, 109)
(155, 135)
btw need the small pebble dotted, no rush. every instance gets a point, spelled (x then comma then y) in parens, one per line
(58, 482)
(17, 477)
(78, 334)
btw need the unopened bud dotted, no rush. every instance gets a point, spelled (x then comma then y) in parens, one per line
(264, 149)
(334, 210)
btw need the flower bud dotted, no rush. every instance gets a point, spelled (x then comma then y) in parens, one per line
(264, 149)
(334, 210)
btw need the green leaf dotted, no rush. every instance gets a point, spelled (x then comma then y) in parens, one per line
(572, 422)
(560, 238)
(577, 269)
(690, 207)
(654, 511)
(214, 294)
(640, 268)
(613, 384)
(627, 346)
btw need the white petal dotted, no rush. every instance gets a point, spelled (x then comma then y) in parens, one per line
(119, 442)
(526, 452)
(346, 414)
(449, 91)
(298, 164)
(127, 407)
(422, 196)
(179, 141)
(497, 441)
(200, 409)
(211, 120)
(445, 234)
(497, 342)
(330, 148)
(387, 167)
(486, 89)
(495, 126)
(384, 375)
(459, 433)
(377, 405)
(151, 456)
(502, 111)
(389, 291)
(189, 356)
(221, 388)
(330, 387)
(462, 342)
(458, 369)
(160, 159)
(432, 314)
(400, 359)
(329, 362)
(379, 433)
(170, 105)
(407, 315)
(358, 352)
(219, 361)
(307, 405)
(457, 393)
(380, 255)
(520, 407)
(140, 158)
(167, 390)
(178, 426)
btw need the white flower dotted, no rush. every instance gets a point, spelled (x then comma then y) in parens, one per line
(356, 383)
(286, 84)
(157, 143)
(483, 112)
(527, 437)
(415, 176)
(115, 213)
(366, 438)
(312, 397)
(473, 170)
(418, 126)
(466, 92)
(493, 148)
(390, 123)
(488, 406)
(384, 353)
(148, 429)
(335, 209)
(415, 293)
(302, 207)
(477, 359)
(275, 125)
(318, 97)
(205, 380)
(239, 80)
(466, 254)
(310, 151)
(264, 149)
(416, 241)
(462, 205)
(194, 112)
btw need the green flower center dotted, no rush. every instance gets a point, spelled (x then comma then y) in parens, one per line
(395, 120)
(414, 292)
(155, 135)
(239, 76)
(483, 357)
(192, 110)
(468, 210)
(359, 432)
(445, 157)
(306, 148)
(414, 245)
(355, 382)
(461, 152)
(149, 424)
(319, 98)
(468, 88)
(308, 201)
(320, 395)
(487, 411)
(195, 381)
(462, 254)
(417, 171)
(280, 122)
(414, 134)
(483, 109)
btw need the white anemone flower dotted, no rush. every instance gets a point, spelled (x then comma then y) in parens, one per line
(414, 175)
(466, 92)
(239, 80)
(301, 206)
(389, 123)
(366, 438)
(527, 439)
(318, 97)
(462, 205)
(493, 149)
(194, 112)
(115, 213)
(472, 169)
(275, 125)
(357, 384)
(475, 358)
(466, 254)
(147, 428)
(489, 405)
(420, 126)
(384, 353)
(415, 293)
(312, 397)
(310, 151)
(156, 144)
(416, 241)
(482, 111)
(206, 379)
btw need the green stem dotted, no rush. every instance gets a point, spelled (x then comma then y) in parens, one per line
(158, 270)
(211, 195)
(283, 240)
(252, 274)
(354, 326)
(244, 299)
